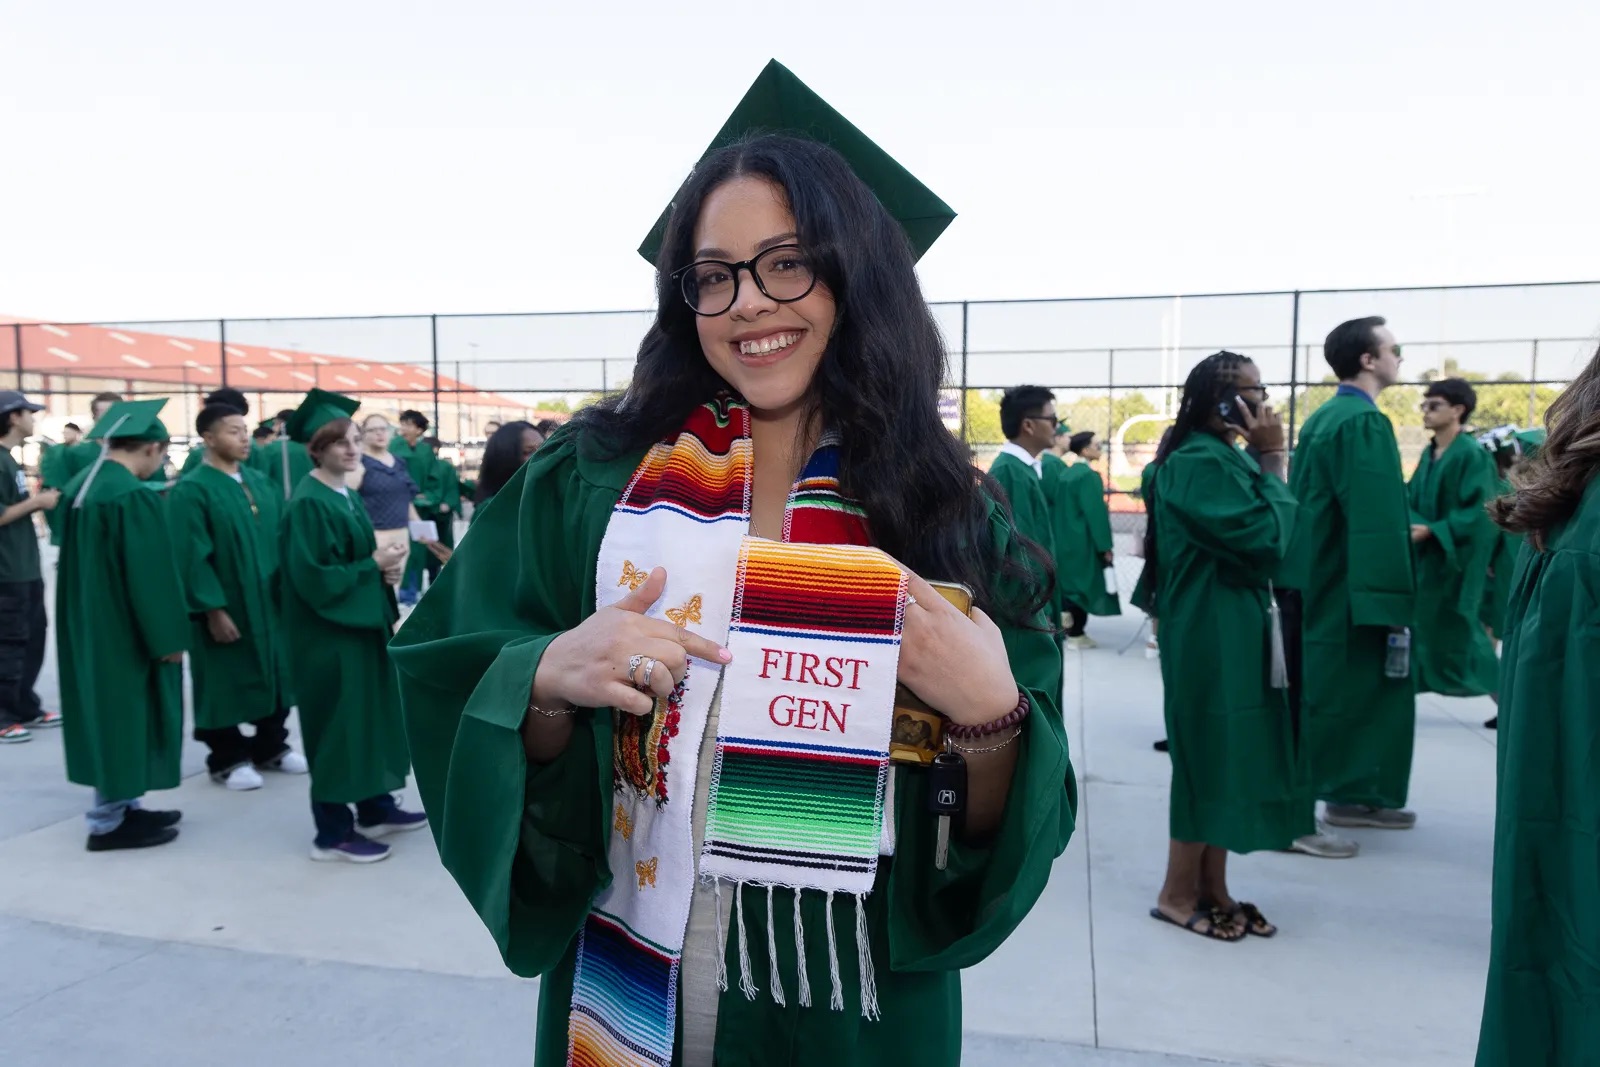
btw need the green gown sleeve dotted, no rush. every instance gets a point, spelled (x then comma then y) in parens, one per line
(526, 844)
(154, 588)
(1465, 522)
(1372, 497)
(1238, 515)
(1092, 501)
(193, 546)
(942, 920)
(348, 593)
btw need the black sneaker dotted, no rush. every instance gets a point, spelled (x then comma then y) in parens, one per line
(1492, 724)
(159, 819)
(1159, 746)
(133, 833)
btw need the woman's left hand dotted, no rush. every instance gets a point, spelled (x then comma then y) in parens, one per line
(956, 664)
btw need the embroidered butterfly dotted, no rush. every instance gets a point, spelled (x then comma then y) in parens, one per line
(690, 612)
(647, 871)
(632, 576)
(623, 824)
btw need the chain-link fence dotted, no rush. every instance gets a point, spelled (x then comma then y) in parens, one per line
(1116, 365)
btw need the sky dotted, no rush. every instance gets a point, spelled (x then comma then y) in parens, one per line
(169, 160)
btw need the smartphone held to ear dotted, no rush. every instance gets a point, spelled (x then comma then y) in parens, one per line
(1229, 408)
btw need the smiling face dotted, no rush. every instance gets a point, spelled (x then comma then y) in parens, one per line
(767, 351)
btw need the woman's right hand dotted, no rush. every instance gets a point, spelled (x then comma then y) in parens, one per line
(1264, 431)
(388, 555)
(587, 667)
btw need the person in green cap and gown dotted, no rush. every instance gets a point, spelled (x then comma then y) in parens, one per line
(411, 446)
(563, 684)
(1083, 543)
(225, 520)
(1542, 999)
(1240, 777)
(1028, 420)
(1511, 449)
(1352, 561)
(1454, 541)
(448, 484)
(338, 615)
(121, 631)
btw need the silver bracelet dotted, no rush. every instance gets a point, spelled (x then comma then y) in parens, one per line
(991, 748)
(552, 714)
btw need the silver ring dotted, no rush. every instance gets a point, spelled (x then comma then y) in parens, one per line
(911, 601)
(633, 669)
(649, 669)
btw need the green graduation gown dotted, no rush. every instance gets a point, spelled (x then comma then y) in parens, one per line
(55, 471)
(423, 467)
(1351, 557)
(119, 610)
(227, 545)
(1502, 567)
(1052, 479)
(1542, 1005)
(449, 497)
(338, 613)
(194, 460)
(1239, 779)
(1082, 529)
(269, 461)
(528, 844)
(1143, 596)
(1450, 652)
(1030, 511)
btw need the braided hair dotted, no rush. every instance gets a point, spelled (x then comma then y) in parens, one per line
(1201, 392)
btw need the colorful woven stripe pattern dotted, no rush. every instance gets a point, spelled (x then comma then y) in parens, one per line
(623, 999)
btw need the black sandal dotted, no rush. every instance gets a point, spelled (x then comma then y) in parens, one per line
(1214, 932)
(1255, 923)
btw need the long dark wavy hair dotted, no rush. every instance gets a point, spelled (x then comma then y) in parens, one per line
(502, 458)
(1551, 485)
(1201, 392)
(877, 384)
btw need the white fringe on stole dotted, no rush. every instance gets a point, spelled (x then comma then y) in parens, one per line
(869, 982)
(836, 1001)
(747, 983)
(801, 978)
(1280, 662)
(722, 937)
(772, 954)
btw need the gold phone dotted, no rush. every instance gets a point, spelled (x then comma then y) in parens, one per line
(918, 731)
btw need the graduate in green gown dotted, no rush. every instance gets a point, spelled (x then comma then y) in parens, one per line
(1240, 777)
(444, 520)
(228, 397)
(1352, 560)
(1083, 542)
(225, 520)
(1542, 1003)
(338, 614)
(1028, 419)
(503, 661)
(1052, 480)
(121, 631)
(1454, 542)
(411, 447)
(1510, 449)
(56, 468)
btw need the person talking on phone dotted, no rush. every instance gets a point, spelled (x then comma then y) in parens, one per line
(1223, 523)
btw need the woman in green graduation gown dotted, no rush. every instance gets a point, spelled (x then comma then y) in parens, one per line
(581, 815)
(1543, 999)
(1222, 529)
(338, 613)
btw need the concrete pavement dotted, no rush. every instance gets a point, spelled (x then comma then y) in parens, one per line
(231, 946)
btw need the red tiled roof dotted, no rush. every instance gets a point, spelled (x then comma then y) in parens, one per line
(133, 355)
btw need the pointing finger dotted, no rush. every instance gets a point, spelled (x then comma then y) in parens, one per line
(640, 600)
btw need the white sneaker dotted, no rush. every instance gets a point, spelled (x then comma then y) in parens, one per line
(1152, 650)
(243, 778)
(1078, 644)
(291, 762)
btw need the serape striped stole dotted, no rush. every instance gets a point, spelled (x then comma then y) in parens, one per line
(797, 796)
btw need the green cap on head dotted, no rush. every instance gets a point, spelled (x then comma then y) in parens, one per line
(319, 408)
(1529, 442)
(134, 420)
(778, 102)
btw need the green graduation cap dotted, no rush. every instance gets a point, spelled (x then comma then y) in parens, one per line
(135, 420)
(318, 408)
(268, 424)
(778, 102)
(126, 420)
(1529, 442)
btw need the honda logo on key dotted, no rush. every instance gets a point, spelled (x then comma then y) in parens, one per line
(947, 798)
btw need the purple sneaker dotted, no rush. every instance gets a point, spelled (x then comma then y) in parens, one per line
(353, 849)
(396, 822)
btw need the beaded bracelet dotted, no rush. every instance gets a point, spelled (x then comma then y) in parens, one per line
(1011, 718)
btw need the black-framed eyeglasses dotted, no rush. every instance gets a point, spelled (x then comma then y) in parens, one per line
(1261, 389)
(710, 286)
